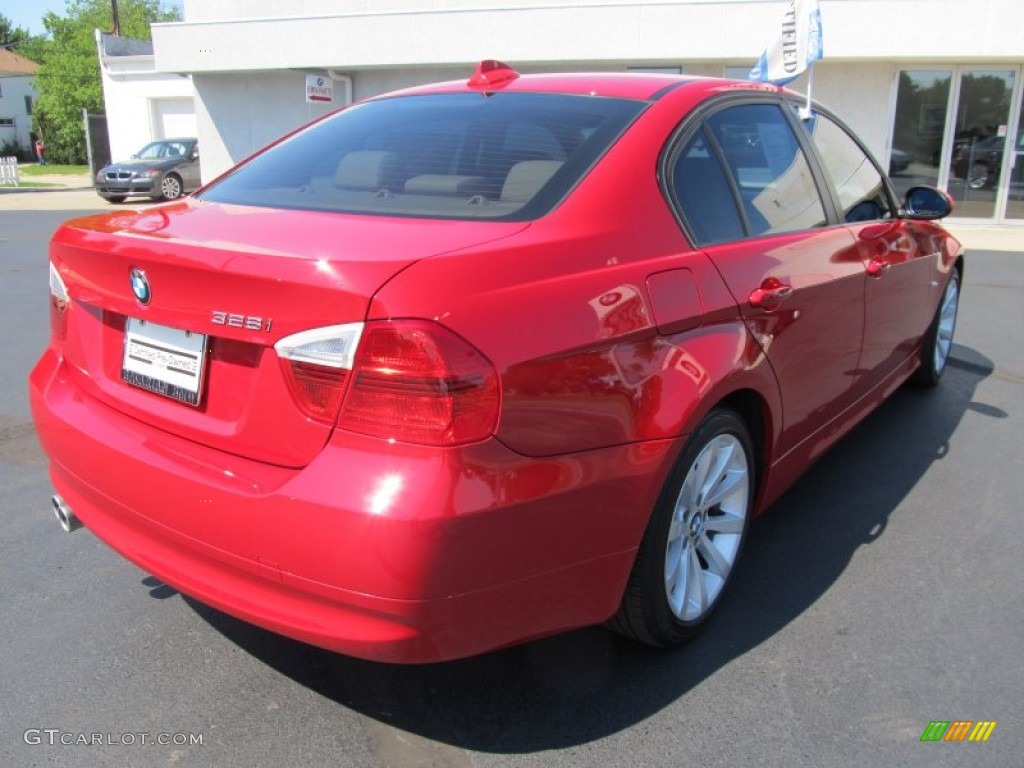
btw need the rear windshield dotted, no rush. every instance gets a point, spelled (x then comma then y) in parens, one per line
(464, 156)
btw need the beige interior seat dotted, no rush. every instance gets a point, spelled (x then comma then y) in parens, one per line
(366, 170)
(444, 184)
(525, 179)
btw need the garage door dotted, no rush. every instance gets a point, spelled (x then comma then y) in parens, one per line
(174, 118)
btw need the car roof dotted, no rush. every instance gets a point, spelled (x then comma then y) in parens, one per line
(625, 85)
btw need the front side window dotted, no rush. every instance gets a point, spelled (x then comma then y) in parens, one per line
(159, 150)
(510, 156)
(773, 178)
(861, 188)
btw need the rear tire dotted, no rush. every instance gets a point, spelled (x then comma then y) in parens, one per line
(938, 341)
(694, 537)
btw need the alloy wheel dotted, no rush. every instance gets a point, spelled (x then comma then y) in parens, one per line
(707, 527)
(946, 323)
(170, 188)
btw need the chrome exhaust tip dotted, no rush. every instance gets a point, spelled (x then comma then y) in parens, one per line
(68, 520)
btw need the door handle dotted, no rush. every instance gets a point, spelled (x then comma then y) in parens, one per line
(770, 295)
(878, 266)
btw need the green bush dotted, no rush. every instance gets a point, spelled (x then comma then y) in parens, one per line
(9, 148)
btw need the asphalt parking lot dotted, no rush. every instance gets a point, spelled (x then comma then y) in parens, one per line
(884, 591)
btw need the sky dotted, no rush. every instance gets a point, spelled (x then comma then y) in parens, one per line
(29, 13)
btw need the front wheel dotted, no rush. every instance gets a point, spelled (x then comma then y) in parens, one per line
(694, 537)
(170, 187)
(938, 341)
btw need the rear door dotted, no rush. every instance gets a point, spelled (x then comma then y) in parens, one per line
(749, 197)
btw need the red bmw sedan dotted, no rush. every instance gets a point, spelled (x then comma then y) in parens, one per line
(483, 361)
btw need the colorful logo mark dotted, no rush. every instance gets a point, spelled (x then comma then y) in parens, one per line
(958, 730)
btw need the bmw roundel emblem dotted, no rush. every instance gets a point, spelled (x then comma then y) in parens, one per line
(140, 286)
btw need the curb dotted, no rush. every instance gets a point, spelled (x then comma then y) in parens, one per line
(29, 190)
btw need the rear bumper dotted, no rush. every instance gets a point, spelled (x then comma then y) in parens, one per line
(385, 552)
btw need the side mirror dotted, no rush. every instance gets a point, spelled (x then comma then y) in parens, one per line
(927, 203)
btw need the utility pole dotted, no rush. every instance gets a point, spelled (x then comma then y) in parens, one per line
(117, 20)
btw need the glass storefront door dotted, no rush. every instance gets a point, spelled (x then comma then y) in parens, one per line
(922, 102)
(953, 128)
(979, 137)
(1015, 191)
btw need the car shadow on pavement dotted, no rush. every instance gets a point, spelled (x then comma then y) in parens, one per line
(584, 685)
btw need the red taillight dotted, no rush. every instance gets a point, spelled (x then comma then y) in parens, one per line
(59, 302)
(317, 365)
(406, 380)
(317, 389)
(414, 381)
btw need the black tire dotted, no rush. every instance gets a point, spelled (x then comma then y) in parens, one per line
(980, 176)
(116, 199)
(651, 608)
(170, 187)
(935, 347)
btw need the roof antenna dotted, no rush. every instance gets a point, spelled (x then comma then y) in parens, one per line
(490, 73)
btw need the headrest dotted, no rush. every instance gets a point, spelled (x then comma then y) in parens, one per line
(525, 179)
(366, 170)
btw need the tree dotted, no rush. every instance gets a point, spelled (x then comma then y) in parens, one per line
(19, 40)
(68, 79)
(10, 35)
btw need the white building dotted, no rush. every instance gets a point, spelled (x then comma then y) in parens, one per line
(934, 86)
(17, 97)
(141, 103)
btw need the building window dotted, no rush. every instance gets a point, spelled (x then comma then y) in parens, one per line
(28, 104)
(657, 70)
(6, 122)
(737, 73)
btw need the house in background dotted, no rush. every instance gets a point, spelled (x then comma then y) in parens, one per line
(17, 97)
(141, 104)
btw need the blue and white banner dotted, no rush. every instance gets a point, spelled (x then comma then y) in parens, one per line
(794, 47)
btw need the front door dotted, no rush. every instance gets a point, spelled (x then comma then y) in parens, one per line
(898, 262)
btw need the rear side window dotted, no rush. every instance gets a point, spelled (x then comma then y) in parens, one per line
(774, 181)
(858, 183)
(509, 156)
(703, 194)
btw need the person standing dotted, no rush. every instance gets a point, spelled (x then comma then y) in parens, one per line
(41, 151)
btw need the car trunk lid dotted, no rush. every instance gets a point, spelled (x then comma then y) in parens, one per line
(244, 277)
